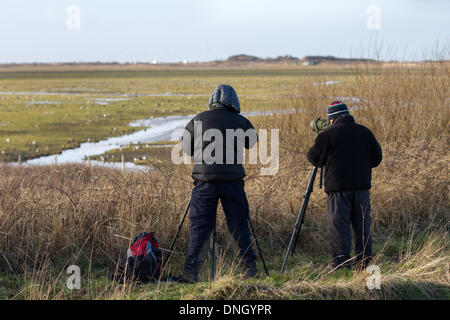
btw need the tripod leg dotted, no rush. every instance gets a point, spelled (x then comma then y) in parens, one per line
(172, 244)
(298, 223)
(213, 254)
(257, 245)
(297, 233)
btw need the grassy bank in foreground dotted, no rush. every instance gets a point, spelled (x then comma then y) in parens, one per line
(409, 269)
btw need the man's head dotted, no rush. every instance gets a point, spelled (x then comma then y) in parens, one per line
(337, 109)
(224, 95)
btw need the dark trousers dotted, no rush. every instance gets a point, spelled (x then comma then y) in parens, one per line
(204, 200)
(344, 209)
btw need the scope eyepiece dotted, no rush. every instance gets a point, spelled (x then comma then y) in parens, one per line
(320, 124)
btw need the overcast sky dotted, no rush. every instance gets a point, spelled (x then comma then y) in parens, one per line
(202, 30)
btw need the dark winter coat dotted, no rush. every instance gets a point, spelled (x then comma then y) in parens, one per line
(348, 151)
(220, 118)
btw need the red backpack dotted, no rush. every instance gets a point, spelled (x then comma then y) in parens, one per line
(142, 261)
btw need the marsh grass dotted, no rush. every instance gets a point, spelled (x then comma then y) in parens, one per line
(55, 216)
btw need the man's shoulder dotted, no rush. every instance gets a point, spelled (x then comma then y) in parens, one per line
(349, 125)
(337, 131)
(215, 113)
(363, 128)
(222, 114)
(243, 118)
(202, 115)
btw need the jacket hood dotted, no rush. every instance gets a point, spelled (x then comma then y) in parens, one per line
(226, 96)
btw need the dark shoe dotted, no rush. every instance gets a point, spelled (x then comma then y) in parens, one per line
(342, 266)
(186, 277)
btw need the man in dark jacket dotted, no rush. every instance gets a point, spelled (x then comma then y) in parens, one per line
(348, 151)
(216, 138)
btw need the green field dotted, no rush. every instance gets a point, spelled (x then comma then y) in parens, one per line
(34, 125)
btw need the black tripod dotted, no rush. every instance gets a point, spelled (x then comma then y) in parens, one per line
(172, 244)
(301, 215)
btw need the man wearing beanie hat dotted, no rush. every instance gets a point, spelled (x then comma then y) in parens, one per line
(348, 151)
(337, 109)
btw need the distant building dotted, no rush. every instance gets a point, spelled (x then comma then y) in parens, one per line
(309, 63)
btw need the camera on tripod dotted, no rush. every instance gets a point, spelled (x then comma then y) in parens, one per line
(320, 124)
